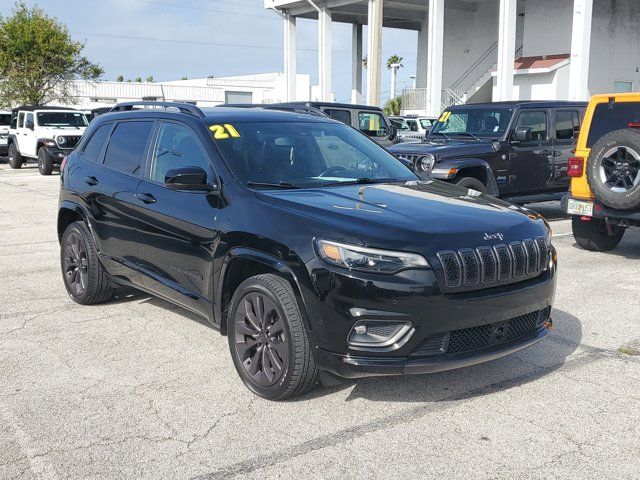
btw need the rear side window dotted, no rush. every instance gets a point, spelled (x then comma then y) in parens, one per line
(5, 118)
(125, 152)
(343, 116)
(94, 146)
(372, 124)
(607, 118)
(567, 124)
(537, 122)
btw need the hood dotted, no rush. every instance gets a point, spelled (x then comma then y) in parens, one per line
(53, 132)
(444, 148)
(424, 217)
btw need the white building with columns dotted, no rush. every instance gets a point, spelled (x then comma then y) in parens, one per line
(480, 50)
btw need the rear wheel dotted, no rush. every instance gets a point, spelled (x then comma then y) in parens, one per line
(84, 276)
(613, 169)
(268, 341)
(596, 235)
(472, 183)
(45, 162)
(15, 159)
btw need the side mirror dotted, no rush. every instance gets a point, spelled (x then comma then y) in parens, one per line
(29, 124)
(188, 178)
(393, 132)
(522, 134)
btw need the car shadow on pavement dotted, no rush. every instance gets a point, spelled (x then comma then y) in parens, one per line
(505, 373)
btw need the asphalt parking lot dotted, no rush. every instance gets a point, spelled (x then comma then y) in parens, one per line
(138, 388)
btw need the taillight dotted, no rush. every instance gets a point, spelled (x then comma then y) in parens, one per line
(63, 163)
(575, 167)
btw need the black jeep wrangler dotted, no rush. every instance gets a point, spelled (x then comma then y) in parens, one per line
(513, 150)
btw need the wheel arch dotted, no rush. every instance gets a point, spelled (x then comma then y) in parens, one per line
(241, 263)
(472, 167)
(70, 212)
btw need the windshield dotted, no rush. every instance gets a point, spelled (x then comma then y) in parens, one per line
(478, 122)
(62, 119)
(5, 118)
(399, 123)
(426, 123)
(301, 154)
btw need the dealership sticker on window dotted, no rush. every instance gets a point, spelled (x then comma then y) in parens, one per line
(223, 132)
(444, 117)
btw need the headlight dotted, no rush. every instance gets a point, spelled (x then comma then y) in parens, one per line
(49, 143)
(425, 163)
(62, 140)
(354, 257)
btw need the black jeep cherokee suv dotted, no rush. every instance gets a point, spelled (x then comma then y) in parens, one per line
(311, 247)
(513, 150)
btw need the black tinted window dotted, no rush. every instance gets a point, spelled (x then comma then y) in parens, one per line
(537, 122)
(567, 124)
(94, 146)
(128, 143)
(343, 116)
(609, 118)
(5, 118)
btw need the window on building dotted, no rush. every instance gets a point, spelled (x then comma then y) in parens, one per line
(177, 147)
(125, 152)
(567, 124)
(537, 122)
(238, 97)
(620, 86)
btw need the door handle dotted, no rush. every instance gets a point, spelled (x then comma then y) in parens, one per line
(546, 152)
(91, 181)
(145, 197)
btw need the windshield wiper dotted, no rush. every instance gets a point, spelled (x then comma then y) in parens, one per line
(469, 134)
(361, 181)
(440, 133)
(287, 185)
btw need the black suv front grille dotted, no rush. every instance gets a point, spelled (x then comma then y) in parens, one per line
(468, 340)
(488, 266)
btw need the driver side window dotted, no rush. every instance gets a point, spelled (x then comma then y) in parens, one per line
(177, 147)
(537, 122)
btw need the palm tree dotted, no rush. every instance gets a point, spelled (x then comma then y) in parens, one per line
(365, 62)
(394, 60)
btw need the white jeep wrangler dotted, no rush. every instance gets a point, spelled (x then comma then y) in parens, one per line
(45, 134)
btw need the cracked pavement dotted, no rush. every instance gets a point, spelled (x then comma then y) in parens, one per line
(139, 388)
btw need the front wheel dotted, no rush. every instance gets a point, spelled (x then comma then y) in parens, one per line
(45, 162)
(15, 159)
(268, 340)
(596, 235)
(472, 183)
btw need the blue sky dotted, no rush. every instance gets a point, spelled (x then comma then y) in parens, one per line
(206, 37)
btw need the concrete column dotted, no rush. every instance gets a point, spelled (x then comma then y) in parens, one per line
(374, 54)
(435, 44)
(580, 49)
(324, 53)
(290, 56)
(422, 55)
(506, 49)
(356, 64)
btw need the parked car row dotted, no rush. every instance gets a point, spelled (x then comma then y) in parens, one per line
(412, 129)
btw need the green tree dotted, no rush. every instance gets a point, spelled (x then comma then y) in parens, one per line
(393, 106)
(365, 62)
(393, 59)
(39, 60)
(138, 79)
(119, 78)
(184, 78)
(149, 79)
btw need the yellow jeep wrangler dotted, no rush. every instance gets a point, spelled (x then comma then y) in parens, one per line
(604, 199)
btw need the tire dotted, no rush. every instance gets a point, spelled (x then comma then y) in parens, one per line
(472, 183)
(613, 169)
(45, 162)
(274, 331)
(595, 235)
(79, 250)
(15, 159)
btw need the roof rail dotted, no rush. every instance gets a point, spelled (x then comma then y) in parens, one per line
(182, 107)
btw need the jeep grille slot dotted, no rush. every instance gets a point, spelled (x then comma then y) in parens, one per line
(489, 266)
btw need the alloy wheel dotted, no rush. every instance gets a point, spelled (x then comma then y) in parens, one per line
(620, 169)
(261, 341)
(75, 264)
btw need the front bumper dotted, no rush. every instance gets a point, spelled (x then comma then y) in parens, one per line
(57, 154)
(449, 330)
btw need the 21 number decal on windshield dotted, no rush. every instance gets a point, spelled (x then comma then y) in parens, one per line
(223, 132)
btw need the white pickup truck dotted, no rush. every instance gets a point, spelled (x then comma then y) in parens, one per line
(45, 134)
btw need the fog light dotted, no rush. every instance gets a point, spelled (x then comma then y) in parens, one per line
(360, 329)
(379, 335)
